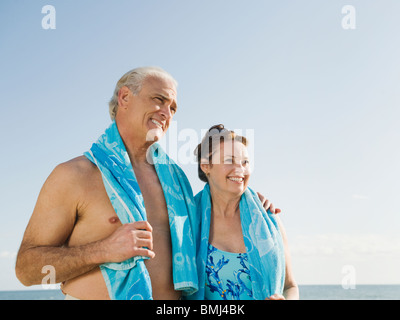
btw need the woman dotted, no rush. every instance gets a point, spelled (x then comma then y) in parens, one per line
(241, 250)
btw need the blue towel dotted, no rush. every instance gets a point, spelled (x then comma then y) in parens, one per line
(262, 238)
(129, 280)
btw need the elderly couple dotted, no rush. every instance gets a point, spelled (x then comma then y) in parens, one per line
(121, 222)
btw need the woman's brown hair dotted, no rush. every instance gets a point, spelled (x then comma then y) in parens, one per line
(214, 137)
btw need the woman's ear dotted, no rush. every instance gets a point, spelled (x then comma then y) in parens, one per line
(205, 168)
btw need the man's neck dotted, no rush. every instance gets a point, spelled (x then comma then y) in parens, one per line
(137, 149)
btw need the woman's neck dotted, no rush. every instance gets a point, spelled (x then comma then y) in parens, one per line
(224, 205)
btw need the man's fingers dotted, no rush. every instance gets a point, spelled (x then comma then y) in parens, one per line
(272, 208)
(142, 225)
(144, 252)
(141, 234)
(148, 243)
(268, 205)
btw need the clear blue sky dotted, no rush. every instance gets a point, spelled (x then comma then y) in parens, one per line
(323, 103)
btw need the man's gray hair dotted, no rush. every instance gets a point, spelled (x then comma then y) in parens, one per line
(134, 79)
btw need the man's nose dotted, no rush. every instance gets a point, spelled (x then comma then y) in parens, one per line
(165, 112)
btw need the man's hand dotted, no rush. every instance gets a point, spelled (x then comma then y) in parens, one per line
(268, 204)
(129, 240)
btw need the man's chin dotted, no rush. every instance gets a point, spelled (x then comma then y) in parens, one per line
(154, 135)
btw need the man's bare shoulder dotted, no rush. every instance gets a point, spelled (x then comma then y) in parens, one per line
(75, 172)
(76, 167)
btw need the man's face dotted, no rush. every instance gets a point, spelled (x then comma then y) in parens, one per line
(151, 110)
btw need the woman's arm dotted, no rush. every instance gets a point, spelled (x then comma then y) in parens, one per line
(291, 290)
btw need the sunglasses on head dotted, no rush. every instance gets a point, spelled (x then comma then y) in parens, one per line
(219, 127)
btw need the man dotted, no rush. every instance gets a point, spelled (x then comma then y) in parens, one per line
(74, 226)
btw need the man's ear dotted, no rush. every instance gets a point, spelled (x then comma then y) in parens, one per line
(123, 96)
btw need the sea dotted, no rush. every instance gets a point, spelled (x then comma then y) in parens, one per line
(307, 292)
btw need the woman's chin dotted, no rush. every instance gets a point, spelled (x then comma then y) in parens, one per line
(236, 188)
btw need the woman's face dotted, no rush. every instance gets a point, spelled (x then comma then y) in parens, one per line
(229, 171)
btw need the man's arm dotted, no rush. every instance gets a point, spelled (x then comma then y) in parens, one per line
(127, 241)
(52, 223)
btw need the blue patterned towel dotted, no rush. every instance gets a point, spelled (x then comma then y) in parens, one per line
(129, 280)
(262, 238)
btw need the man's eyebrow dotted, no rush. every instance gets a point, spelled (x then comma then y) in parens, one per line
(164, 97)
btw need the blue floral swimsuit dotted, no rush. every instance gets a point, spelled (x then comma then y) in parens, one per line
(227, 276)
